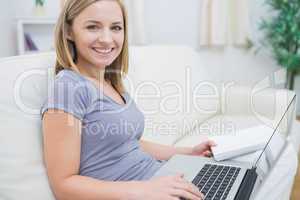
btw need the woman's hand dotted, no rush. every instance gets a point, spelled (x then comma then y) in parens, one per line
(203, 149)
(167, 188)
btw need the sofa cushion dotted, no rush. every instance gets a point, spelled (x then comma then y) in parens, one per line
(23, 86)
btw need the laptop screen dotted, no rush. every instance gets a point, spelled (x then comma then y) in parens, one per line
(267, 157)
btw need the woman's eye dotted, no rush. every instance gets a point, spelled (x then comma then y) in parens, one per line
(92, 27)
(117, 28)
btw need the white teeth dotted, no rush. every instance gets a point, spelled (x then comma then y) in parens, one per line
(104, 51)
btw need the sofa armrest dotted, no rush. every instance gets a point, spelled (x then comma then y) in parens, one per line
(267, 104)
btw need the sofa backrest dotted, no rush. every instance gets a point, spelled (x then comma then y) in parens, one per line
(23, 86)
(173, 89)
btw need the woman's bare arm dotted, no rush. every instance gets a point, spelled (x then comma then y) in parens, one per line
(62, 143)
(163, 152)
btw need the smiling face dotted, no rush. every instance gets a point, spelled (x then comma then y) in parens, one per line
(98, 33)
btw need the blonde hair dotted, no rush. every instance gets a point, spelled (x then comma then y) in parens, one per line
(66, 53)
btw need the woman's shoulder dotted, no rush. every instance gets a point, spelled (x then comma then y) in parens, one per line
(72, 79)
(68, 80)
(68, 92)
(69, 76)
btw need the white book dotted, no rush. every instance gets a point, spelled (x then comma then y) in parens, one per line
(242, 142)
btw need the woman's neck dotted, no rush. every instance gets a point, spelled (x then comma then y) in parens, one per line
(92, 72)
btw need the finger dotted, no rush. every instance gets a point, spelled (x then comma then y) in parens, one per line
(179, 175)
(208, 153)
(212, 143)
(175, 179)
(187, 186)
(202, 147)
(170, 197)
(185, 194)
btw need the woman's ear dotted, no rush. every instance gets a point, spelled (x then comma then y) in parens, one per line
(70, 35)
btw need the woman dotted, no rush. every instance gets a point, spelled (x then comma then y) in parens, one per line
(85, 157)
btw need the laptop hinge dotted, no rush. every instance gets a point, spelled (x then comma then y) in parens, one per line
(247, 185)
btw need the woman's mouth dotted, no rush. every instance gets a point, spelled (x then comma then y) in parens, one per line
(103, 51)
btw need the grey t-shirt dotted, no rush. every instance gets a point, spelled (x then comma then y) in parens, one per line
(111, 131)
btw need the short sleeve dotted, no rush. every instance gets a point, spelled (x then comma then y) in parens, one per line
(69, 96)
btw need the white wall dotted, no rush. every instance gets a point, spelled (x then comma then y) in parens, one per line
(8, 19)
(7, 33)
(25, 8)
(172, 21)
(177, 22)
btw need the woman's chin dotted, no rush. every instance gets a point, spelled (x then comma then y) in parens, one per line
(103, 64)
(103, 61)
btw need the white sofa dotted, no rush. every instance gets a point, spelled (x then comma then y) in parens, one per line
(181, 103)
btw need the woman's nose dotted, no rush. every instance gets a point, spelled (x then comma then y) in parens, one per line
(105, 36)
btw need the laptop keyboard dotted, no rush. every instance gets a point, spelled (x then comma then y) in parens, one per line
(215, 181)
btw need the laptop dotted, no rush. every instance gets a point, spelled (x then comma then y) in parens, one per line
(229, 179)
